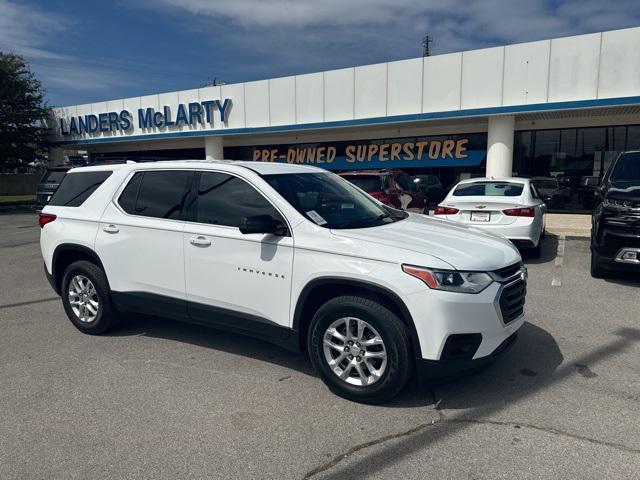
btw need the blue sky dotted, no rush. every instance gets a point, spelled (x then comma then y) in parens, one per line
(86, 50)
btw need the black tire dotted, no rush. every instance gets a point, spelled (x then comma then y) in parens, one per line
(596, 269)
(537, 250)
(396, 343)
(106, 317)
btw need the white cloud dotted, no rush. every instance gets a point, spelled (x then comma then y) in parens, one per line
(454, 23)
(26, 31)
(280, 37)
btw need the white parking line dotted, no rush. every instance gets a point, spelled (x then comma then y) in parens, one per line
(556, 280)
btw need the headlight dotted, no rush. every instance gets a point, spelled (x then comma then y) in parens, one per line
(450, 280)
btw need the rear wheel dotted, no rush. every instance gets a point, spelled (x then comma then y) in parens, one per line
(537, 250)
(86, 300)
(360, 348)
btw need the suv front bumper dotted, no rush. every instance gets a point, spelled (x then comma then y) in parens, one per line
(618, 234)
(430, 370)
(491, 316)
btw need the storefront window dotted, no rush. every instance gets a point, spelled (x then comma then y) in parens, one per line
(633, 138)
(567, 155)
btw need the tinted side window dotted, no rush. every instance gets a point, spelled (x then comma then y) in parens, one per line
(77, 187)
(226, 200)
(156, 194)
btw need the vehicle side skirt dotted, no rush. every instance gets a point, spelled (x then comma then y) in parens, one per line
(206, 315)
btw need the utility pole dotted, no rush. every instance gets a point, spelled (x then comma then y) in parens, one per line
(426, 42)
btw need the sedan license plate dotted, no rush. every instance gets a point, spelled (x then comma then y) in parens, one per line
(480, 216)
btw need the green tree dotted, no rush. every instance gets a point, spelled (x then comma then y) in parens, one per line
(23, 112)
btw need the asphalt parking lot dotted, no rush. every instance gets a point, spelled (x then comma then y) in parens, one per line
(157, 399)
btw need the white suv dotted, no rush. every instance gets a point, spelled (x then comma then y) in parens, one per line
(292, 254)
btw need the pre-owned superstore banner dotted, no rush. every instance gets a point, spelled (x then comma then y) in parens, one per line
(367, 154)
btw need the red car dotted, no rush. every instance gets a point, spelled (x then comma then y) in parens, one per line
(391, 187)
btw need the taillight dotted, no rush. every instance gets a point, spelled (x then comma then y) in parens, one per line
(46, 218)
(520, 212)
(440, 210)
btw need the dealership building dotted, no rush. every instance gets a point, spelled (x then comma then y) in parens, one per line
(559, 109)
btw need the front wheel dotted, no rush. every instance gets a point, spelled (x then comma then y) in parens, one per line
(596, 270)
(360, 348)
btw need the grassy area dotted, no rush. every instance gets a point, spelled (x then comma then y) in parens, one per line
(9, 199)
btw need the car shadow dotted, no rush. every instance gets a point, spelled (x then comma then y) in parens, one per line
(628, 279)
(158, 327)
(511, 372)
(531, 359)
(479, 399)
(528, 364)
(548, 251)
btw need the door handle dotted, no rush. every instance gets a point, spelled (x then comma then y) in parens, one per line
(200, 241)
(111, 228)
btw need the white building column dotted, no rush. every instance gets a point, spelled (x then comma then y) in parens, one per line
(213, 148)
(500, 146)
(56, 157)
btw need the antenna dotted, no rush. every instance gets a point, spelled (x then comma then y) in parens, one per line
(427, 40)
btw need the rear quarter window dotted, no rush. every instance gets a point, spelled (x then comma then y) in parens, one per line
(77, 187)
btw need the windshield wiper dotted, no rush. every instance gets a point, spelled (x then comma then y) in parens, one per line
(364, 223)
(382, 216)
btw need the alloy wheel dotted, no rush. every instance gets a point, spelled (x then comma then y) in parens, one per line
(355, 351)
(83, 299)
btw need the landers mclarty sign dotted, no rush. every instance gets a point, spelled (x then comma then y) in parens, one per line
(147, 118)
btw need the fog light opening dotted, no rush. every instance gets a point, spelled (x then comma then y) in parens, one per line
(628, 255)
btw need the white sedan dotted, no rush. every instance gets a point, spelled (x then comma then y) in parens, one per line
(507, 206)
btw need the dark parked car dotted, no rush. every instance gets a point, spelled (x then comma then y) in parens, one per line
(615, 228)
(48, 185)
(392, 187)
(551, 192)
(431, 186)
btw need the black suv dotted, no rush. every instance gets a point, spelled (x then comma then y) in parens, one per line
(48, 185)
(615, 228)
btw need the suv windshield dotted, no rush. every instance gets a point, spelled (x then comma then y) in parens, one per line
(330, 201)
(627, 169)
(489, 189)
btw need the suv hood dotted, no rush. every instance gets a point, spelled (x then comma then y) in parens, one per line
(462, 247)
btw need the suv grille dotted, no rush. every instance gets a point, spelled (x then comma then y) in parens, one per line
(512, 300)
(506, 274)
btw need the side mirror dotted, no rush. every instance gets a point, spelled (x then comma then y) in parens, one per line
(590, 182)
(263, 224)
